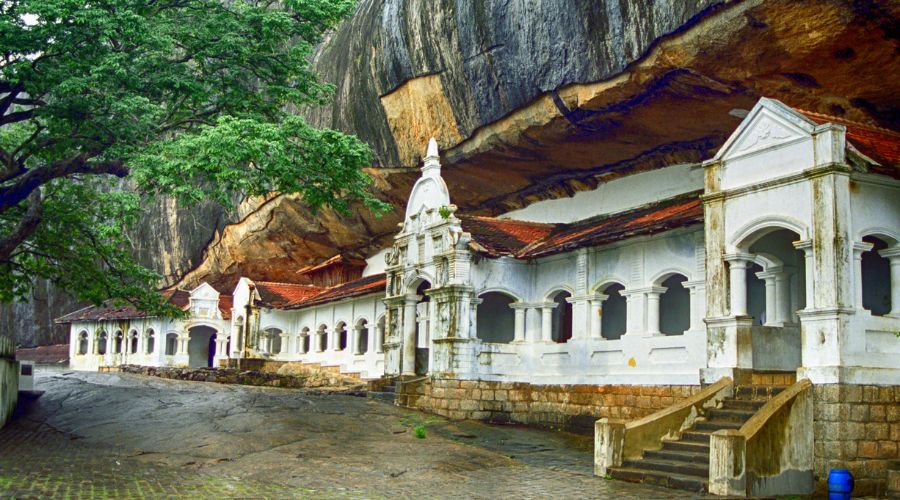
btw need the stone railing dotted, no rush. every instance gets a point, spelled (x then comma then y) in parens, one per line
(772, 453)
(616, 440)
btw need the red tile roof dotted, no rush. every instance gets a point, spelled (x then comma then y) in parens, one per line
(496, 237)
(106, 312)
(879, 144)
(278, 295)
(364, 286)
(45, 354)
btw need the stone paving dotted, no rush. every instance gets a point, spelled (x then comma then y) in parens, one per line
(126, 436)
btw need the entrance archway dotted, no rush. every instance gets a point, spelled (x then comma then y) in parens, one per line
(201, 346)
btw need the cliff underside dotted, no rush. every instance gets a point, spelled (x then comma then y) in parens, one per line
(533, 100)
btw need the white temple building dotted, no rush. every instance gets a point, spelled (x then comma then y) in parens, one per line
(780, 253)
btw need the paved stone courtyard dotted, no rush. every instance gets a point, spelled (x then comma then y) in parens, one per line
(98, 435)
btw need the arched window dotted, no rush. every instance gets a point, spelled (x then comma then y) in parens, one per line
(674, 306)
(83, 343)
(322, 333)
(613, 319)
(151, 341)
(379, 342)
(101, 343)
(362, 337)
(118, 345)
(341, 336)
(272, 342)
(171, 344)
(134, 341)
(562, 318)
(876, 278)
(495, 319)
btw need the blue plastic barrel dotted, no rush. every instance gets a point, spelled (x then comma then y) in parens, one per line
(840, 484)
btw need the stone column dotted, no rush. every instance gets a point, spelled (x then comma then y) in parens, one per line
(634, 311)
(519, 309)
(771, 297)
(422, 322)
(321, 337)
(809, 263)
(783, 298)
(737, 269)
(653, 294)
(893, 254)
(547, 321)
(285, 343)
(596, 312)
(698, 304)
(409, 336)
(858, 249)
(354, 339)
(379, 338)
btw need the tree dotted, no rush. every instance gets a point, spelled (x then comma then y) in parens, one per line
(107, 103)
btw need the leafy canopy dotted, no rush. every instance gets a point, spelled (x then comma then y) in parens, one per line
(105, 104)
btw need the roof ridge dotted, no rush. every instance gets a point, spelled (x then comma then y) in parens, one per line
(487, 217)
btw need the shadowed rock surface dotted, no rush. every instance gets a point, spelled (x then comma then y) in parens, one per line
(534, 100)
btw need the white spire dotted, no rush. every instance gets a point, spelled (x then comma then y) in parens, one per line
(432, 160)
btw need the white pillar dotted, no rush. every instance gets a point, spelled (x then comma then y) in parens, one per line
(653, 294)
(893, 254)
(379, 338)
(634, 311)
(809, 266)
(519, 329)
(322, 338)
(355, 340)
(737, 266)
(697, 304)
(858, 249)
(547, 321)
(285, 343)
(596, 315)
(771, 297)
(409, 336)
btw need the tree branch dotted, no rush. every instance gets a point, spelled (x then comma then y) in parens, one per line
(26, 227)
(27, 183)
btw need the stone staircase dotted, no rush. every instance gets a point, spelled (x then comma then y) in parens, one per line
(386, 391)
(684, 463)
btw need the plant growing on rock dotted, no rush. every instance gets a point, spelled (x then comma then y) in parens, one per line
(105, 106)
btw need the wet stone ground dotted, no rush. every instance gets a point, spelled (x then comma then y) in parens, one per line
(98, 435)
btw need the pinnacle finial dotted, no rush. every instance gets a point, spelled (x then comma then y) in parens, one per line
(432, 148)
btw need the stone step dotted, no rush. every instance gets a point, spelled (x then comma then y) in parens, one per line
(742, 404)
(715, 425)
(387, 397)
(696, 436)
(757, 391)
(730, 415)
(678, 456)
(782, 378)
(665, 479)
(687, 446)
(685, 468)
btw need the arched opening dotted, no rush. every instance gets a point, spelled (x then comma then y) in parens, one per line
(102, 339)
(674, 306)
(151, 341)
(304, 340)
(562, 318)
(495, 318)
(362, 337)
(171, 344)
(775, 282)
(422, 340)
(756, 294)
(876, 278)
(201, 346)
(322, 334)
(134, 339)
(117, 346)
(83, 343)
(613, 319)
(271, 341)
(341, 334)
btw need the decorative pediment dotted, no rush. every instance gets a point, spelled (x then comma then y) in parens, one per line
(769, 124)
(204, 291)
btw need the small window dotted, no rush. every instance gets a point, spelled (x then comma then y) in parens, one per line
(27, 370)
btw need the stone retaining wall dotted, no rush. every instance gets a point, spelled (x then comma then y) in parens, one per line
(322, 381)
(570, 407)
(857, 427)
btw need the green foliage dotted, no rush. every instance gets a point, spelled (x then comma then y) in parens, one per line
(107, 105)
(419, 431)
(444, 212)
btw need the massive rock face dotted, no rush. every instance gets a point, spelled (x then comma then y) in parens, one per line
(534, 99)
